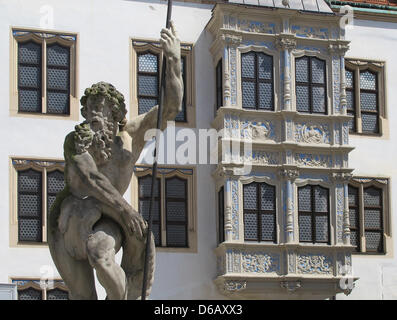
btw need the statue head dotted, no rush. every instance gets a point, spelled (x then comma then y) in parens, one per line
(103, 108)
(102, 100)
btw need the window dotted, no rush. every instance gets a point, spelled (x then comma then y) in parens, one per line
(173, 219)
(310, 76)
(45, 74)
(259, 212)
(31, 290)
(313, 213)
(257, 81)
(36, 185)
(367, 215)
(365, 96)
(219, 84)
(221, 216)
(146, 81)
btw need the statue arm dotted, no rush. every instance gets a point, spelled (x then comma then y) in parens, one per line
(83, 178)
(173, 95)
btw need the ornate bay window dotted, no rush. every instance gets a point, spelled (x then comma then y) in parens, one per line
(284, 220)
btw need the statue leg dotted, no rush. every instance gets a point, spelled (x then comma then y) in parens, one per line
(102, 246)
(77, 274)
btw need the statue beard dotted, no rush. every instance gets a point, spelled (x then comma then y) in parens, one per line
(101, 145)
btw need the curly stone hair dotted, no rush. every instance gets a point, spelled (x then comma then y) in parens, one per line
(108, 91)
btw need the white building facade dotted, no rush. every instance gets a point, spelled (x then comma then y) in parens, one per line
(311, 219)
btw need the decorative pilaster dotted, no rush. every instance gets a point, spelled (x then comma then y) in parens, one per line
(289, 175)
(286, 43)
(230, 42)
(232, 210)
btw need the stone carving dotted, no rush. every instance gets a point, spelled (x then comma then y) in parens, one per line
(286, 43)
(291, 286)
(235, 285)
(256, 26)
(38, 163)
(235, 209)
(315, 264)
(313, 160)
(90, 220)
(310, 32)
(261, 130)
(312, 133)
(261, 158)
(20, 33)
(260, 262)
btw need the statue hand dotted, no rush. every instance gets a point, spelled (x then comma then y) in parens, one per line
(170, 42)
(135, 223)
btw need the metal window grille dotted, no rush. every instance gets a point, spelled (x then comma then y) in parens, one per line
(259, 212)
(30, 205)
(30, 294)
(29, 77)
(176, 212)
(55, 184)
(313, 212)
(310, 75)
(257, 81)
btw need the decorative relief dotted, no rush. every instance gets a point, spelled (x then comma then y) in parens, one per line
(37, 163)
(291, 262)
(315, 264)
(313, 160)
(268, 44)
(235, 209)
(336, 83)
(232, 126)
(253, 130)
(261, 158)
(19, 33)
(291, 286)
(345, 133)
(289, 173)
(259, 262)
(310, 32)
(339, 212)
(285, 43)
(235, 285)
(233, 75)
(338, 48)
(312, 133)
(366, 180)
(256, 26)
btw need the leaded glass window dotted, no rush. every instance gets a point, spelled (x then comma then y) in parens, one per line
(311, 93)
(373, 222)
(350, 98)
(30, 213)
(171, 208)
(257, 81)
(29, 76)
(32, 290)
(145, 184)
(369, 102)
(354, 217)
(313, 212)
(45, 72)
(176, 212)
(260, 212)
(219, 82)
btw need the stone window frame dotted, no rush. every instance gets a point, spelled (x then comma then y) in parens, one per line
(384, 185)
(219, 84)
(20, 164)
(45, 37)
(275, 54)
(142, 45)
(24, 283)
(164, 172)
(296, 54)
(374, 66)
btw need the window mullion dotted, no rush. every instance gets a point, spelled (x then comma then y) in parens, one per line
(163, 213)
(361, 219)
(44, 206)
(313, 214)
(358, 100)
(256, 82)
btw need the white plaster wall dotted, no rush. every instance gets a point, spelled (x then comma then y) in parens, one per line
(376, 156)
(104, 28)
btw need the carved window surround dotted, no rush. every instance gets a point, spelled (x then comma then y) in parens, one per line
(137, 46)
(45, 286)
(184, 172)
(44, 38)
(44, 166)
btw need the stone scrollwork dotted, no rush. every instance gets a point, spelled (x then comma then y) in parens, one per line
(312, 133)
(314, 264)
(256, 26)
(260, 262)
(235, 285)
(313, 160)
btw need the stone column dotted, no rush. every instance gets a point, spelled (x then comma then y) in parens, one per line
(288, 176)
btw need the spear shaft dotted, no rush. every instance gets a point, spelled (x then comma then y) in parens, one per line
(154, 169)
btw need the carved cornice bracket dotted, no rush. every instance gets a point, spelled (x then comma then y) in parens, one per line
(286, 42)
(290, 174)
(291, 286)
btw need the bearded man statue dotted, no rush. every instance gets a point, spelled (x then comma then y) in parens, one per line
(90, 220)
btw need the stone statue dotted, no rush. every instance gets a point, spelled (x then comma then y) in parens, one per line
(90, 220)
